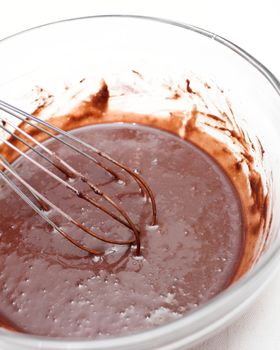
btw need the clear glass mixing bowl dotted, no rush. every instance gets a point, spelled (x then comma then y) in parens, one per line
(60, 52)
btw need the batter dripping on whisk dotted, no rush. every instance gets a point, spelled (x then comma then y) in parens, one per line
(42, 204)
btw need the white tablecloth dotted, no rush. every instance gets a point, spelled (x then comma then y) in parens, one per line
(252, 24)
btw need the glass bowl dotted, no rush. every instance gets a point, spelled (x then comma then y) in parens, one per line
(62, 53)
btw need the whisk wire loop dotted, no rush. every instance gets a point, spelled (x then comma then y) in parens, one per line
(43, 204)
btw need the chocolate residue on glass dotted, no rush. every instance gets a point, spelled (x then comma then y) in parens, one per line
(188, 87)
(195, 125)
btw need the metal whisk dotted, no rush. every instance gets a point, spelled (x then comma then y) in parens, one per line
(40, 204)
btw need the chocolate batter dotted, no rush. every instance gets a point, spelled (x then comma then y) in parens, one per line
(50, 287)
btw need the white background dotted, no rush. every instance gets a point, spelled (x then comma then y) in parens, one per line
(254, 26)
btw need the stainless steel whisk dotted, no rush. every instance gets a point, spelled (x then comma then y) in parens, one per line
(41, 205)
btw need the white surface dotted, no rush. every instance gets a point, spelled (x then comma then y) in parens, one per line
(254, 26)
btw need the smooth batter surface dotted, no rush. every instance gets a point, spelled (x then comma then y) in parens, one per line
(50, 287)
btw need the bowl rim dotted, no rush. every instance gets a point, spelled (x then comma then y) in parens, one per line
(270, 258)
